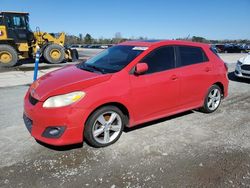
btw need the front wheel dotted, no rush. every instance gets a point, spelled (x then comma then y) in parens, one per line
(54, 53)
(212, 100)
(104, 127)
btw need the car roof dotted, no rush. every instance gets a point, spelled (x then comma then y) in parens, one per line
(149, 43)
(13, 12)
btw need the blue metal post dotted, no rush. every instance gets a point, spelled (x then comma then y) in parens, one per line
(36, 63)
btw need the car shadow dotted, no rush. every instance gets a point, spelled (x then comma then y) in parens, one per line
(126, 130)
(234, 78)
(154, 122)
(61, 148)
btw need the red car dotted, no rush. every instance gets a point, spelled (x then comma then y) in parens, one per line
(126, 85)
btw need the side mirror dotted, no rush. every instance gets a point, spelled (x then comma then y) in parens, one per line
(141, 68)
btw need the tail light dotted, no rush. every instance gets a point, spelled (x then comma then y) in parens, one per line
(1, 33)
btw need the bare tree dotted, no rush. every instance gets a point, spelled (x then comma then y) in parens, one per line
(117, 38)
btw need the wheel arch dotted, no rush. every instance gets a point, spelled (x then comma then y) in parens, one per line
(119, 105)
(42, 48)
(9, 42)
(221, 86)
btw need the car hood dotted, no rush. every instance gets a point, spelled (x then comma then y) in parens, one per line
(65, 80)
(245, 60)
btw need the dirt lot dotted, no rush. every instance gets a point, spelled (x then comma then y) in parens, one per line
(191, 149)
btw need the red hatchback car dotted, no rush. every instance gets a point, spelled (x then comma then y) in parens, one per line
(126, 85)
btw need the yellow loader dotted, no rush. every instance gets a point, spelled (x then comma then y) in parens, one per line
(18, 42)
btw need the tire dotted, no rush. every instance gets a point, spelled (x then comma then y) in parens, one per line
(8, 56)
(54, 54)
(99, 124)
(212, 100)
(74, 54)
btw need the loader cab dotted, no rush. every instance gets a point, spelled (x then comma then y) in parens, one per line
(17, 26)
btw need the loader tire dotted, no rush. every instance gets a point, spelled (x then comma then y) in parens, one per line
(8, 56)
(74, 54)
(54, 54)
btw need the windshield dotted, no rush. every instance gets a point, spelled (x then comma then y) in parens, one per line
(17, 21)
(113, 59)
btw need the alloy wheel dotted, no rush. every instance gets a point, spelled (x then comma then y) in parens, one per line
(214, 98)
(107, 127)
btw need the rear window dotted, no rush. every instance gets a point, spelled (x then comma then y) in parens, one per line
(191, 55)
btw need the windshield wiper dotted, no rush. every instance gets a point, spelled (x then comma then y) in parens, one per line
(84, 67)
(96, 68)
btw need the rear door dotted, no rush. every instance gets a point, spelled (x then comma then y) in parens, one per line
(196, 72)
(156, 92)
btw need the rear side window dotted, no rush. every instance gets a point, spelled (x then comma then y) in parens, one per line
(160, 59)
(190, 55)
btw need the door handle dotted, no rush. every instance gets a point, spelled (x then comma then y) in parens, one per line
(174, 77)
(208, 69)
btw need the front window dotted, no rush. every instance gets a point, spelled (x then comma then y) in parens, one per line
(17, 22)
(160, 59)
(113, 59)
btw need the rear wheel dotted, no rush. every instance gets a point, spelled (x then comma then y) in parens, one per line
(8, 56)
(212, 100)
(54, 53)
(104, 127)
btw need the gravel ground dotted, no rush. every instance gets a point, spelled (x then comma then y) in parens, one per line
(191, 149)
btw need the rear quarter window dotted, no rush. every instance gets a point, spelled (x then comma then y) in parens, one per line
(214, 51)
(190, 55)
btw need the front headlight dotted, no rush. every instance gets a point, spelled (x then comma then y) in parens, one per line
(63, 100)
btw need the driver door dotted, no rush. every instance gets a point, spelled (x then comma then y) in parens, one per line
(156, 92)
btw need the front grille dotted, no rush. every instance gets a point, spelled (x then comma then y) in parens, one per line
(245, 67)
(28, 122)
(32, 100)
(244, 74)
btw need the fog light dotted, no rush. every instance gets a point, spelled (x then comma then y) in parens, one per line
(53, 132)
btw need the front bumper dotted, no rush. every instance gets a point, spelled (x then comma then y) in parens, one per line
(38, 119)
(241, 73)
